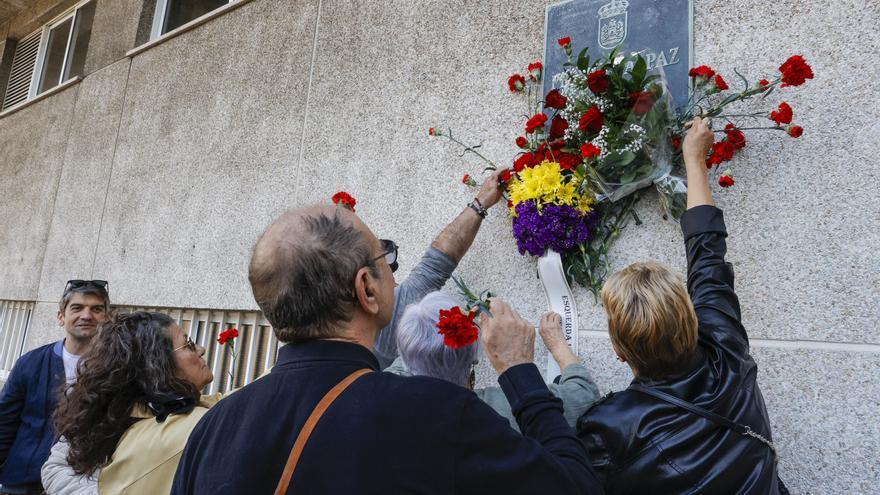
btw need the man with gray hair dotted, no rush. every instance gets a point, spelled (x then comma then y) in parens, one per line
(29, 397)
(324, 421)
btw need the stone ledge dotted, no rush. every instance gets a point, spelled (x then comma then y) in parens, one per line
(45, 94)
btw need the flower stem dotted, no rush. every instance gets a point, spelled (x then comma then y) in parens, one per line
(470, 149)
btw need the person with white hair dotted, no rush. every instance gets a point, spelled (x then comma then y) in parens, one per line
(423, 353)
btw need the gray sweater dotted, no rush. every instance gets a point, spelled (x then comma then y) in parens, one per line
(576, 388)
(430, 274)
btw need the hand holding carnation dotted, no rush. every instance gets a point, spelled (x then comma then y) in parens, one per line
(697, 142)
(508, 339)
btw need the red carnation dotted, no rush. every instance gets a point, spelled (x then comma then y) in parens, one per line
(535, 70)
(735, 136)
(516, 83)
(675, 141)
(723, 150)
(536, 122)
(555, 100)
(592, 120)
(598, 81)
(458, 329)
(227, 336)
(505, 175)
(713, 160)
(764, 82)
(720, 83)
(795, 131)
(568, 161)
(522, 142)
(782, 115)
(589, 150)
(725, 180)
(795, 71)
(466, 180)
(557, 127)
(344, 200)
(564, 41)
(641, 102)
(702, 71)
(431, 131)
(526, 160)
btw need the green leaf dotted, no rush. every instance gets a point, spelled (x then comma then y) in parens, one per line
(639, 70)
(583, 62)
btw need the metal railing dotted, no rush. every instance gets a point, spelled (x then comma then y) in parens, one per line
(15, 317)
(255, 349)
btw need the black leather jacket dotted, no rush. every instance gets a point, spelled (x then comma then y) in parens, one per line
(640, 444)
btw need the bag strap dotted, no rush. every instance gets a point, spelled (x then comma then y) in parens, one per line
(699, 411)
(306, 431)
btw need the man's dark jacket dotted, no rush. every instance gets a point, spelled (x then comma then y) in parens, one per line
(26, 406)
(385, 434)
(640, 444)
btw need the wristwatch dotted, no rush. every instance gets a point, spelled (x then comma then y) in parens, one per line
(478, 207)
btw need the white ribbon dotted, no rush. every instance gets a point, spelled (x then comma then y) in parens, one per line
(559, 300)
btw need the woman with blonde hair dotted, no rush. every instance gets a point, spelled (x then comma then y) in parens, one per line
(693, 420)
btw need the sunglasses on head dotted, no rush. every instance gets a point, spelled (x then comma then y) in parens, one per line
(79, 284)
(389, 252)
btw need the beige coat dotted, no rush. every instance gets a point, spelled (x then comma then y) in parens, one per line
(147, 454)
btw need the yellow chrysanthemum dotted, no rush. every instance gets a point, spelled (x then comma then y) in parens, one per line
(545, 184)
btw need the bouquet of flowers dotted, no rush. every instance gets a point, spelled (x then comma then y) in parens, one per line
(608, 131)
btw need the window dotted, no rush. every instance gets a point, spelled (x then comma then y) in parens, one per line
(171, 14)
(51, 55)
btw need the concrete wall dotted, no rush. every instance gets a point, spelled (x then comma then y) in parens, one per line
(158, 172)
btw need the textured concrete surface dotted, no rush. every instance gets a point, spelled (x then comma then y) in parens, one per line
(229, 124)
(113, 32)
(207, 149)
(82, 189)
(32, 141)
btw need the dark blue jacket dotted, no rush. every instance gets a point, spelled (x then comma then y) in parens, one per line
(640, 444)
(386, 434)
(26, 406)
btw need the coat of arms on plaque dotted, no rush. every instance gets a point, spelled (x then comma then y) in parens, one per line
(612, 23)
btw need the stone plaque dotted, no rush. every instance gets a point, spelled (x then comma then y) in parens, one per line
(661, 29)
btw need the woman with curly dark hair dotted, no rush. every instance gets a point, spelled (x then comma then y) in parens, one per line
(125, 422)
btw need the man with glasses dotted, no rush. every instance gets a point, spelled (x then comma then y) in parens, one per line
(326, 421)
(29, 397)
(437, 264)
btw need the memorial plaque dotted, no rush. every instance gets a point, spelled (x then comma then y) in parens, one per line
(661, 29)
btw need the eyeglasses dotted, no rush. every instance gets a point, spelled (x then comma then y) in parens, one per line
(79, 284)
(389, 251)
(189, 344)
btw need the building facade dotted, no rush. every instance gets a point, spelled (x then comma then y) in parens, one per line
(149, 142)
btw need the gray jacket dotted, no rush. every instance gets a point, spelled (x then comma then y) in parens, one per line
(576, 388)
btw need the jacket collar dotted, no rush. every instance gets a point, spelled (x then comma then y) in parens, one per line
(58, 347)
(294, 355)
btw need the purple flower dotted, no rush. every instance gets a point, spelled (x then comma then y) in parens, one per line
(560, 228)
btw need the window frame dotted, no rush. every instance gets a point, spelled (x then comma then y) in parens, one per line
(40, 64)
(160, 18)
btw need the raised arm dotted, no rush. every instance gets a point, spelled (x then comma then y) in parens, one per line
(457, 237)
(435, 267)
(710, 278)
